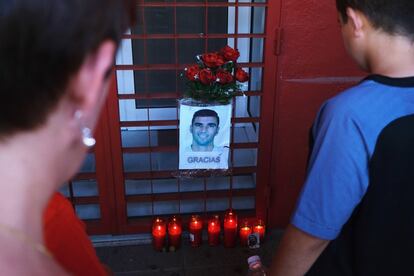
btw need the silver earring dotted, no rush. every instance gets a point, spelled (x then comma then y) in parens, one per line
(87, 137)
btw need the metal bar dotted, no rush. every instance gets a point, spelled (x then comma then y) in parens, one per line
(84, 200)
(152, 67)
(149, 123)
(230, 192)
(104, 174)
(177, 93)
(246, 120)
(198, 4)
(253, 93)
(150, 149)
(85, 176)
(236, 31)
(116, 158)
(175, 148)
(170, 174)
(148, 175)
(244, 145)
(205, 26)
(174, 122)
(185, 196)
(94, 227)
(147, 96)
(169, 95)
(191, 36)
(145, 38)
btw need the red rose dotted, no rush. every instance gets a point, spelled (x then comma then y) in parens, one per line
(212, 59)
(192, 72)
(229, 53)
(224, 77)
(206, 76)
(241, 75)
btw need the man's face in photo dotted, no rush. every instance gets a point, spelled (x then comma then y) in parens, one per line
(204, 129)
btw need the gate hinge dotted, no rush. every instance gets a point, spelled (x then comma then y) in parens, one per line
(278, 41)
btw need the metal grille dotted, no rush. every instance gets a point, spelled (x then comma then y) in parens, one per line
(137, 151)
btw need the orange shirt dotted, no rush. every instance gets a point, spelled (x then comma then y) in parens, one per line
(66, 238)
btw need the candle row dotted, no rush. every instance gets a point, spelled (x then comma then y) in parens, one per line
(195, 227)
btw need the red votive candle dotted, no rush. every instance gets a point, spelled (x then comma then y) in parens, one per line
(195, 227)
(245, 231)
(230, 228)
(174, 232)
(259, 227)
(213, 230)
(159, 231)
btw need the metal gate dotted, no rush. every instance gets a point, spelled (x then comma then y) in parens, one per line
(129, 177)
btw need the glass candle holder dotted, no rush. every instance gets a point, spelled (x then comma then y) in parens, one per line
(244, 232)
(260, 228)
(159, 231)
(230, 228)
(213, 230)
(174, 232)
(195, 227)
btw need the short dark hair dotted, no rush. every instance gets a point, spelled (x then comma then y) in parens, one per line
(392, 16)
(43, 43)
(205, 113)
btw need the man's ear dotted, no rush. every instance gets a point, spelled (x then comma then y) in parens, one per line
(88, 84)
(357, 20)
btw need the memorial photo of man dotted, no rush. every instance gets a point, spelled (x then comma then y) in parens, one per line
(204, 128)
(204, 137)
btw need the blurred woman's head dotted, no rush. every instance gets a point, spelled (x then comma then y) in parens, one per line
(55, 59)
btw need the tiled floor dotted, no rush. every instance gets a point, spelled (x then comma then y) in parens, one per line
(187, 261)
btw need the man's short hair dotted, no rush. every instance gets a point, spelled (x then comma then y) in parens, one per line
(205, 113)
(391, 16)
(43, 43)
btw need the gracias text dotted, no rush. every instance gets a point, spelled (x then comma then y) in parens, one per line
(204, 159)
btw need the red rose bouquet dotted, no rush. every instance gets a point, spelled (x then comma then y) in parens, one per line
(216, 77)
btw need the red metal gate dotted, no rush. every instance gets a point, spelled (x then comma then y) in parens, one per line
(136, 156)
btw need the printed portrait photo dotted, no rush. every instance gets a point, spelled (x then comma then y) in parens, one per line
(204, 137)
